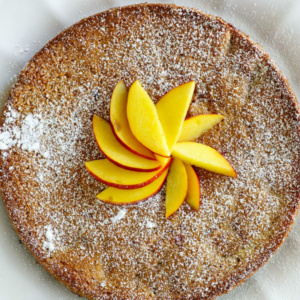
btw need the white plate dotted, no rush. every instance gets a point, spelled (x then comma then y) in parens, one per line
(25, 26)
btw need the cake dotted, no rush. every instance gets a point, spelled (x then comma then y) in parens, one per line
(103, 251)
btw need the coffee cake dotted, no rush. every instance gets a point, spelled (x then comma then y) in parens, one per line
(103, 251)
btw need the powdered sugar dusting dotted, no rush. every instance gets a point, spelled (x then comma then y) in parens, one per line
(46, 137)
(150, 224)
(7, 137)
(49, 243)
(26, 136)
(121, 214)
(6, 141)
(31, 131)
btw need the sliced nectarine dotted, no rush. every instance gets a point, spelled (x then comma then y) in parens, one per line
(172, 109)
(204, 157)
(116, 152)
(195, 126)
(122, 197)
(176, 187)
(120, 125)
(112, 175)
(162, 159)
(193, 192)
(143, 120)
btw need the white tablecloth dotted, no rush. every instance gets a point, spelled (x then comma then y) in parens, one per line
(25, 26)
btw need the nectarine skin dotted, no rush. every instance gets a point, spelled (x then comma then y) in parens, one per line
(127, 147)
(132, 194)
(119, 123)
(118, 154)
(152, 175)
(131, 168)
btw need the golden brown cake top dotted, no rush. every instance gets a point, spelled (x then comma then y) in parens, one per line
(107, 252)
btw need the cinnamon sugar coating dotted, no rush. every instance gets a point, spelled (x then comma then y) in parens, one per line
(106, 252)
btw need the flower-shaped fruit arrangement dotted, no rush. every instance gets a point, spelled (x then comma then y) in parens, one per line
(146, 143)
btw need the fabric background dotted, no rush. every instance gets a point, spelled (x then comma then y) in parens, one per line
(25, 26)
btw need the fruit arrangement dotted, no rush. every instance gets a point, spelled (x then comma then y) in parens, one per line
(146, 144)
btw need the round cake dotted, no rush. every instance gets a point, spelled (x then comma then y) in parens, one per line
(104, 251)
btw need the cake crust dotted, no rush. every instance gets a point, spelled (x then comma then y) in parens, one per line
(102, 252)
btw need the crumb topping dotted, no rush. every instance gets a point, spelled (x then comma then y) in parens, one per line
(108, 252)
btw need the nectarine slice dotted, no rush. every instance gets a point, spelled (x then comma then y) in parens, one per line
(123, 197)
(143, 120)
(176, 187)
(162, 159)
(204, 157)
(120, 125)
(116, 152)
(172, 109)
(195, 126)
(193, 192)
(112, 175)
